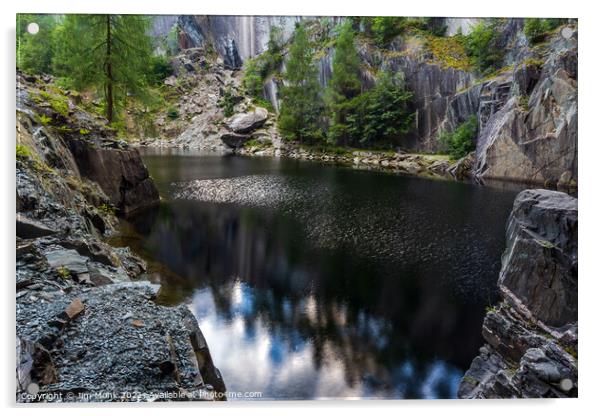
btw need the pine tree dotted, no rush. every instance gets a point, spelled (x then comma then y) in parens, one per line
(111, 53)
(345, 83)
(300, 100)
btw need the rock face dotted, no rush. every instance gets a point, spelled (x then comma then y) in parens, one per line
(542, 233)
(85, 332)
(531, 335)
(120, 173)
(527, 111)
(528, 120)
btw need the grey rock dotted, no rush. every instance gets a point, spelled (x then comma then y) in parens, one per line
(247, 122)
(120, 173)
(528, 121)
(67, 259)
(95, 352)
(30, 228)
(539, 265)
(235, 141)
(462, 168)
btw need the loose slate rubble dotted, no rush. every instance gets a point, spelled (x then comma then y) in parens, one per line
(112, 341)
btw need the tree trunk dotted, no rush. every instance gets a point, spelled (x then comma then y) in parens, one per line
(109, 73)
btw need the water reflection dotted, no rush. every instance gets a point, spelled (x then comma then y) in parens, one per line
(348, 284)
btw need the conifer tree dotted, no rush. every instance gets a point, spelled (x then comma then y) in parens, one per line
(110, 53)
(345, 83)
(300, 100)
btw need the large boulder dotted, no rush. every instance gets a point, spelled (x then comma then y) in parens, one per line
(247, 122)
(539, 266)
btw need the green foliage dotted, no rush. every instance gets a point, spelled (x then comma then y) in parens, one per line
(253, 77)
(58, 102)
(301, 103)
(258, 144)
(378, 117)
(228, 101)
(107, 209)
(160, 69)
(109, 53)
(44, 119)
(23, 152)
(382, 30)
(344, 85)
(258, 69)
(482, 47)
(386, 110)
(345, 82)
(34, 52)
(523, 102)
(536, 28)
(63, 272)
(84, 132)
(461, 142)
(173, 113)
(449, 51)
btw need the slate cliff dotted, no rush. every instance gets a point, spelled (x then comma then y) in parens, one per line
(532, 335)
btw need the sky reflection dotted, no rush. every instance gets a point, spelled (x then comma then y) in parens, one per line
(253, 353)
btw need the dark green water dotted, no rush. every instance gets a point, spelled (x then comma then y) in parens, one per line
(314, 281)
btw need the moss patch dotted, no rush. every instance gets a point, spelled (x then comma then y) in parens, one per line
(449, 52)
(58, 102)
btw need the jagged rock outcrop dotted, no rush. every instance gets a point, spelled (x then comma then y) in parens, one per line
(539, 267)
(531, 336)
(80, 321)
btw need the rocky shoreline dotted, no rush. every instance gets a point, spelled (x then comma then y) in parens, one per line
(88, 327)
(531, 336)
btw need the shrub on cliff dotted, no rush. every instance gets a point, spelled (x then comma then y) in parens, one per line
(461, 141)
(383, 29)
(536, 29)
(482, 45)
